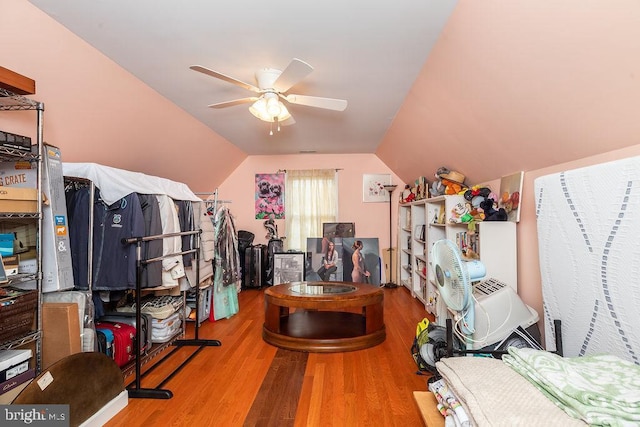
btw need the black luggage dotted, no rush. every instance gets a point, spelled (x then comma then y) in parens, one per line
(245, 240)
(254, 275)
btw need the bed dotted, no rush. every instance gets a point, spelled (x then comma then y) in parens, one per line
(590, 270)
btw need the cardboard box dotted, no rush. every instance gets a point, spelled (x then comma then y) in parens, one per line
(10, 389)
(10, 264)
(21, 174)
(12, 358)
(18, 200)
(60, 331)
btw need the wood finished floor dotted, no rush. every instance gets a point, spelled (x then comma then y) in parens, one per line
(247, 382)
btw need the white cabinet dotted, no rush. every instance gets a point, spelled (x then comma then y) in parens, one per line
(424, 222)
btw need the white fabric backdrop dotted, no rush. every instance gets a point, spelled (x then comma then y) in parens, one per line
(589, 243)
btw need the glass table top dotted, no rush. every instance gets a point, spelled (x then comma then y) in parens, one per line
(304, 288)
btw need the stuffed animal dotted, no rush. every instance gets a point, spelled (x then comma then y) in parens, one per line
(451, 187)
(460, 213)
(453, 182)
(437, 187)
(491, 213)
(477, 195)
(447, 182)
(470, 254)
(408, 195)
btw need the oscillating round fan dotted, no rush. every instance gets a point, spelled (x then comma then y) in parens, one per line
(454, 277)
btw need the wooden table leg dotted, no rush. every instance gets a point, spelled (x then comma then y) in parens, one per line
(273, 315)
(374, 317)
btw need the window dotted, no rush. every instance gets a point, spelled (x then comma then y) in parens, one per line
(311, 199)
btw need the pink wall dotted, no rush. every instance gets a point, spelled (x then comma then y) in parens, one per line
(521, 85)
(372, 219)
(95, 111)
(518, 85)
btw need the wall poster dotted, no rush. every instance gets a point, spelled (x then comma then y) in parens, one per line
(269, 195)
(373, 187)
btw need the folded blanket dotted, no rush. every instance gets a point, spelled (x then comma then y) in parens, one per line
(492, 394)
(600, 389)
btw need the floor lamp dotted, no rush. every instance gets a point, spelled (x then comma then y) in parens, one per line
(390, 284)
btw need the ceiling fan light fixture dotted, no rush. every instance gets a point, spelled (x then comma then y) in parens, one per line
(269, 109)
(273, 107)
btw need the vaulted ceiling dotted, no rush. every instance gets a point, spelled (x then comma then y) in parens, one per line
(485, 87)
(366, 53)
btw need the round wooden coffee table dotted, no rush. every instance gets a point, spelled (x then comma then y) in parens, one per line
(327, 316)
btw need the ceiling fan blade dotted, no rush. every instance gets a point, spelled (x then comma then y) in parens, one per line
(234, 102)
(318, 102)
(295, 71)
(224, 77)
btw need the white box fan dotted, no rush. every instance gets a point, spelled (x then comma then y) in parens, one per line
(485, 313)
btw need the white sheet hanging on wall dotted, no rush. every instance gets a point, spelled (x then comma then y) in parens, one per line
(115, 183)
(589, 244)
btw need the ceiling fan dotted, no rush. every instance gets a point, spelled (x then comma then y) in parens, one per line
(272, 87)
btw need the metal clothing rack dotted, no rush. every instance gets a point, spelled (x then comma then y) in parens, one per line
(214, 201)
(158, 392)
(496, 353)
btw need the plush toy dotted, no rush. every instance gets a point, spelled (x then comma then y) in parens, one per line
(408, 195)
(477, 195)
(447, 182)
(437, 187)
(477, 214)
(453, 181)
(451, 187)
(491, 213)
(470, 254)
(460, 213)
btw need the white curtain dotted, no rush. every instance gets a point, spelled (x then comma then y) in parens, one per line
(311, 199)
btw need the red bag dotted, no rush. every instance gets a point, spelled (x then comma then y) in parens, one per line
(124, 338)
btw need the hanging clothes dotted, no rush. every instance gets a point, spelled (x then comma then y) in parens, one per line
(185, 217)
(114, 264)
(202, 222)
(226, 280)
(172, 266)
(151, 272)
(78, 203)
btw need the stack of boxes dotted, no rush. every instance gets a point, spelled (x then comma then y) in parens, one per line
(15, 373)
